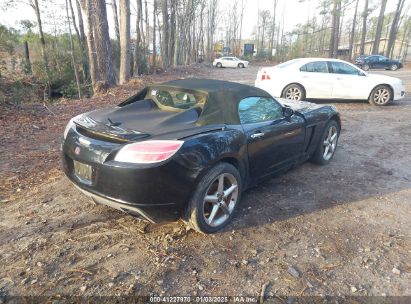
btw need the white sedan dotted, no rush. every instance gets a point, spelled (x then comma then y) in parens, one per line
(230, 62)
(320, 78)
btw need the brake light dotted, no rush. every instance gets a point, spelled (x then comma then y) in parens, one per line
(148, 152)
(265, 76)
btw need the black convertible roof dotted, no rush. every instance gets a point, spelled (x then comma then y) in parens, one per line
(223, 97)
(212, 85)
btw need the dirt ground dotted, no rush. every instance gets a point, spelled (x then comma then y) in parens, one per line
(339, 230)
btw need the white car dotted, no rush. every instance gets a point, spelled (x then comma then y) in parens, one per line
(324, 78)
(230, 62)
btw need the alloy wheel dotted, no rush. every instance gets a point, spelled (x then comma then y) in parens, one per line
(330, 143)
(394, 67)
(294, 93)
(220, 199)
(382, 96)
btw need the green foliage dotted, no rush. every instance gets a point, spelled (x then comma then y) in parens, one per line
(8, 39)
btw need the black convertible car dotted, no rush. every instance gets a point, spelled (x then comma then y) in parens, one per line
(189, 148)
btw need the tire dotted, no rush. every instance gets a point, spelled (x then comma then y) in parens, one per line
(328, 144)
(294, 92)
(381, 96)
(200, 210)
(219, 65)
(394, 67)
(365, 67)
(241, 65)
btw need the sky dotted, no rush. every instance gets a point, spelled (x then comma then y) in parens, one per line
(295, 11)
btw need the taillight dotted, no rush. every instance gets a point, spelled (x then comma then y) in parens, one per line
(265, 76)
(148, 152)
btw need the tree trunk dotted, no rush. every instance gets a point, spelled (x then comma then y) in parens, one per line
(273, 30)
(137, 48)
(115, 19)
(165, 36)
(73, 59)
(154, 34)
(376, 45)
(102, 44)
(352, 36)
(80, 42)
(394, 28)
(27, 62)
(147, 39)
(81, 24)
(43, 47)
(124, 41)
(88, 9)
(172, 37)
(364, 27)
(335, 29)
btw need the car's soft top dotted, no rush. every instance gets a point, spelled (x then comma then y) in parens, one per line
(221, 106)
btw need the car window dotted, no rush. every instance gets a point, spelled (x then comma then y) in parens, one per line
(176, 99)
(382, 58)
(259, 109)
(343, 68)
(315, 67)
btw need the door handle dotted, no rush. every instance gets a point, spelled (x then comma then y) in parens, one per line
(257, 135)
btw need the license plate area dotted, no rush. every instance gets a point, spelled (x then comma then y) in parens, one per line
(83, 172)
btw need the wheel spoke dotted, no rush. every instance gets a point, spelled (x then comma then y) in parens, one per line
(326, 151)
(229, 191)
(211, 199)
(225, 209)
(221, 184)
(213, 213)
(333, 137)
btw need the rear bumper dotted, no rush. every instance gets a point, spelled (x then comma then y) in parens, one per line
(158, 192)
(153, 214)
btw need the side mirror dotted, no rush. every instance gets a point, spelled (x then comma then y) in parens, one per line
(288, 112)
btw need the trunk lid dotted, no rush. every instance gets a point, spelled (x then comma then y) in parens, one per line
(141, 120)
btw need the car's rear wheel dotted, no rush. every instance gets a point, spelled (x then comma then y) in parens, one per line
(215, 199)
(394, 67)
(219, 65)
(241, 65)
(328, 144)
(381, 96)
(365, 67)
(294, 92)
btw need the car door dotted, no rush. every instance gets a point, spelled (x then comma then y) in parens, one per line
(372, 61)
(349, 81)
(315, 78)
(273, 140)
(230, 62)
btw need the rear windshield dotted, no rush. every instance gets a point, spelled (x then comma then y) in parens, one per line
(287, 63)
(175, 99)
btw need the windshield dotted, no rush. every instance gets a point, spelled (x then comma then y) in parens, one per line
(176, 99)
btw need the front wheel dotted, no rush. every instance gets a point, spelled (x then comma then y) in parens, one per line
(215, 199)
(380, 96)
(219, 65)
(394, 67)
(366, 67)
(294, 92)
(328, 144)
(241, 65)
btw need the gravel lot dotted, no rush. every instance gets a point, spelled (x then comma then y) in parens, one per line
(342, 229)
